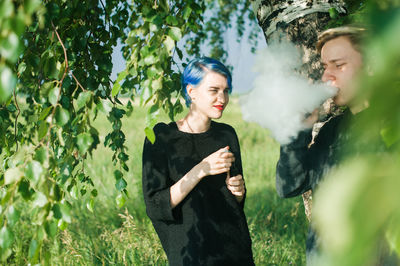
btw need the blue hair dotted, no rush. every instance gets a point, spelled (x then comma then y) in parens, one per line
(196, 70)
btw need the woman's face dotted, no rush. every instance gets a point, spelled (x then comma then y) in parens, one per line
(211, 96)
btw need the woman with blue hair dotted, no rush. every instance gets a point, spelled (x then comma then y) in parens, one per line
(192, 176)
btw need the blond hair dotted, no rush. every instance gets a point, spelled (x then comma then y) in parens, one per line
(355, 35)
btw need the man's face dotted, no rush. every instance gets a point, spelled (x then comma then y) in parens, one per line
(341, 63)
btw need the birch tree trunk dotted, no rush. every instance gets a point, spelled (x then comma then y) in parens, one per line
(300, 22)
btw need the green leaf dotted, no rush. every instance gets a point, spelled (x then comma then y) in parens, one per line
(175, 33)
(94, 193)
(120, 200)
(51, 228)
(66, 212)
(186, 12)
(172, 20)
(10, 47)
(133, 71)
(33, 252)
(156, 84)
(11, 107)
(53, 95)
(150, 59)
(12, 175)
(62, 116)
(116, 87)
(45, 113)
(41, 155)
(5, 254)
(150, 134)
(118, 174)
(50, 68)
(33, 171)
(104, 106)
(6, 8)
(90, 205)
(56, 193)
(12, 215)
(83, 99)
(30, 6)
(21, 68)
(74, 192)
(5, 198)
(84, 140)
(169, 44)
(6, 238)
(56, 211)
(7, 83)
(43, 127)
(131, 40)
(146, 93)
(152, 71)
(151, 117)
(62, 225)
(40, 199)
(333, 13)
(24, 190)
(120, 184)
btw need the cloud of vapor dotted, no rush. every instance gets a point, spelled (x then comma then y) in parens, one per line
(281, 98)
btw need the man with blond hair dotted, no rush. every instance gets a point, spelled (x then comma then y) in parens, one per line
(302, 166)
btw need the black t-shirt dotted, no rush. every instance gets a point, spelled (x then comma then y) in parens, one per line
(209, 226)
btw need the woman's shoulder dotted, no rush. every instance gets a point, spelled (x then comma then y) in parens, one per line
(164, 131)
(162, 128)
(222, 126)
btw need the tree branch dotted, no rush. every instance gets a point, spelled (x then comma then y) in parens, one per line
(16, 119)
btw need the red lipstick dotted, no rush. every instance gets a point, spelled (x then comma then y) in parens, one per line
(219, 107)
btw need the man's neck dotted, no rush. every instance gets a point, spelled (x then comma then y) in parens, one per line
(356, 108)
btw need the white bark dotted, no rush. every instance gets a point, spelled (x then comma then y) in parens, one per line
(287, 11)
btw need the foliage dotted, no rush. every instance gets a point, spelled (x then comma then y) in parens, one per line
(55, 71)
(363, 222)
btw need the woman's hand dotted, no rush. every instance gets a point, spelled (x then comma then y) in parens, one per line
(235, 184)
(217, 163)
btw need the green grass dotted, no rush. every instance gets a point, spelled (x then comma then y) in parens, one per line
(112, 236)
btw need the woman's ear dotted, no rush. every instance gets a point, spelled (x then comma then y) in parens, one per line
(191, 91)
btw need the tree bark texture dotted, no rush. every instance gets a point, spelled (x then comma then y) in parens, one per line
(300, 22)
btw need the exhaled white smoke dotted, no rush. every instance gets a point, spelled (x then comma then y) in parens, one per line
(281, 98)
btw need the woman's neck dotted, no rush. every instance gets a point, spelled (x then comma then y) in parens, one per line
(194, 123)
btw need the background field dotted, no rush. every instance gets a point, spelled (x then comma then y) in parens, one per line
(112, 236)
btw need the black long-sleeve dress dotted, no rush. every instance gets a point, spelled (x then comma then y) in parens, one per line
(209, 226)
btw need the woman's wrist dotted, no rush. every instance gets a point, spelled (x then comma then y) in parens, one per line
(198, 170)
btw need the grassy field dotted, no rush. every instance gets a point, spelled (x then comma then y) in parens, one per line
(112, 236)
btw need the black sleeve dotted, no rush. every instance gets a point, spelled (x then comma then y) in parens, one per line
(155, 181)
(292, 170)
(237, 168)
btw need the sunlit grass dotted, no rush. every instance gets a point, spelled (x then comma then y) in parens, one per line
(126, 236)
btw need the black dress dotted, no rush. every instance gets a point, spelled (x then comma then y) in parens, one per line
(209, 226)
